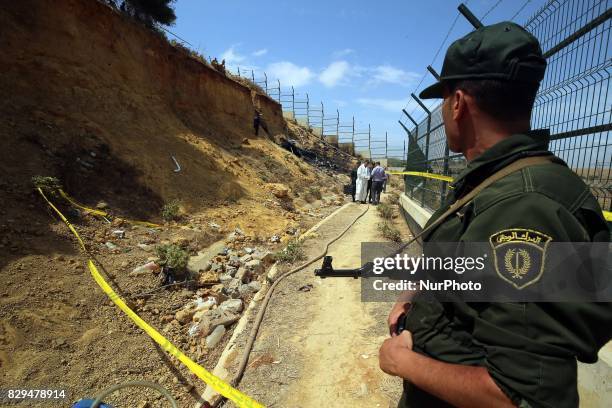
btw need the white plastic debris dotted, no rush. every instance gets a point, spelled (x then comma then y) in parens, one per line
(215, 337)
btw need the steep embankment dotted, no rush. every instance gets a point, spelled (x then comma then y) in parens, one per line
(103, 104)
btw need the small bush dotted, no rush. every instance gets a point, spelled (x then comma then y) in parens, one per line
(385, 210)
(314, 192)
(48, 184)
(390, 232)
(392, 198)
(292, 253)
(171, 211)
(172, 256)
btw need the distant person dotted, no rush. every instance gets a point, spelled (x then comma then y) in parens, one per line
(384, 188)
(354, 182)
(378, 178)
(361, 182)
(369, 190)
(258, 122)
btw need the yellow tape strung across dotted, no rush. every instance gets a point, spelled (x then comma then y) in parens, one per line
(103, 213)
(607, 214)
(420, 174)
(223, 388)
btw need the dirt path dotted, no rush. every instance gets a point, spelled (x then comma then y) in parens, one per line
(320, 347)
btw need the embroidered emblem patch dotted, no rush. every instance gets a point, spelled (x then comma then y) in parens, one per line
(519, 255)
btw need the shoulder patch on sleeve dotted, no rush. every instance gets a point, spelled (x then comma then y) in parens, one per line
(519, 255)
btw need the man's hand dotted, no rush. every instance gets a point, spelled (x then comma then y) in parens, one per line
(392, 351)
(399, 308)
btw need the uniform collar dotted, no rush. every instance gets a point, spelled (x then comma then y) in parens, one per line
(509, 149)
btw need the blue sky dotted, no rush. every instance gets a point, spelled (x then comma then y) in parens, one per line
(363, 58)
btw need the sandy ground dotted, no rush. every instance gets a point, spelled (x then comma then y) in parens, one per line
(319, 347)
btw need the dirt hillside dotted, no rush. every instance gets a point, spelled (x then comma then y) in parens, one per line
(104, 105)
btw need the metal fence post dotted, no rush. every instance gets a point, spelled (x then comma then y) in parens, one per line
(338, 126)
(293, 102)
(307, 111)
(370, 141)
(322, 121)
(266, 81)
(422, 105)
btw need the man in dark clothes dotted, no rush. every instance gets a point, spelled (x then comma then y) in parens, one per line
(369, 191)
(354, 182)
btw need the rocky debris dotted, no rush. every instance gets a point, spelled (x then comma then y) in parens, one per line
(249, 288)
(232, 289)
(145, 247)
(214, 225)
(208, 277)
(255, 266)
(275, 239)
(111, 246)
(305, 288)
(231, 305)
(242, 274)
(119, 234)
(184, 316)
(278, 190)
(249, 250)
(149, 267)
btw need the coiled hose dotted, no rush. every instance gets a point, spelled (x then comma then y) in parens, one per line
(262, 310)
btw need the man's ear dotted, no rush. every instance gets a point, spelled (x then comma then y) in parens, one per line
(459, 104)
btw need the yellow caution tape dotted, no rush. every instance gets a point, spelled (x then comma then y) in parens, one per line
(607, 214)
(223, 388)
(421, 174)
(100, 213)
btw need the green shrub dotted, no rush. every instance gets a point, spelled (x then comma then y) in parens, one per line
(171, 211)
(385, 210)
(390, 232)
(392, 198)
(292, 253)
(172, 256)
(46, 183)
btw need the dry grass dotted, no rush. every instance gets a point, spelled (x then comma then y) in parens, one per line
(390, 232)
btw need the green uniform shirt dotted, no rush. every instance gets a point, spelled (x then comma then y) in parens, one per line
(529, 349)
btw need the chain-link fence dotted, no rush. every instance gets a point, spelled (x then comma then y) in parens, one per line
(573, 102)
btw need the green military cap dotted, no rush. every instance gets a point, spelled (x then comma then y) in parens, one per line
(504, 51)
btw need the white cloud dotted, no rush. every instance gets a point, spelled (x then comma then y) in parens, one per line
(289, 74)
(392, 105)
(260, 52)
(231, 57)
(342, 53)
(334, 73)
(392, 75)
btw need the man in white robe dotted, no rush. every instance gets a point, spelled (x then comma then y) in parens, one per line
(362, 182)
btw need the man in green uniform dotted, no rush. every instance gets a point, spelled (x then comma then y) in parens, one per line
(500, 354)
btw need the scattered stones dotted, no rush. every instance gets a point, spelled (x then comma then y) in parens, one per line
(225, 277)
(184, 316)
(221, 317)
(255, 266)
(215, 337)
(249, 250)
(145, 247)
(233, 288)
(214, 225)
(150, 267)
(275, 239)
(278, 190)
(231, 305)
(208, 277)
(110, 245)
(242, 274)
(305, 288)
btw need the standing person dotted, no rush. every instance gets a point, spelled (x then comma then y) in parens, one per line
(500, 354)
(362, 182)
(256, 122)
(354, 182)
(378, 179)
(369, 190)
